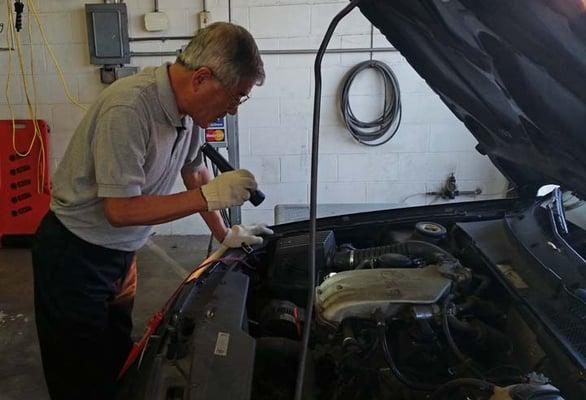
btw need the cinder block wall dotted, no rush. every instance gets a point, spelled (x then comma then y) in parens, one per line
(275, 125)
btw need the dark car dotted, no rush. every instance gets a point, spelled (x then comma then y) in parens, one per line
(477, 300)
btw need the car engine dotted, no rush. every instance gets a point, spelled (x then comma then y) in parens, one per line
(408, 317)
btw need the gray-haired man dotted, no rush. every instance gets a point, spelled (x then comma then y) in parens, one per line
(113, 184)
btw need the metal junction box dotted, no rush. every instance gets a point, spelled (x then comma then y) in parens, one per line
(107, 26)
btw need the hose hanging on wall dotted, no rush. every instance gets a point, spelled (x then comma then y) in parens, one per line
(382, 129)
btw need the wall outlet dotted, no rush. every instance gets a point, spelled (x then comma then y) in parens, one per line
(204, 19)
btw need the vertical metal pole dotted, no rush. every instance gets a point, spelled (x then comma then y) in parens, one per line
(232, 146)
(233, 158)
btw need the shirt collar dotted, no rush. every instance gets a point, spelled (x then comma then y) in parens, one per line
(167, 97)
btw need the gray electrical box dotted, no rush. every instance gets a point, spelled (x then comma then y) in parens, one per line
(107, 26)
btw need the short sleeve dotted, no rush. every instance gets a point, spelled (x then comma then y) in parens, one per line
(194, 159)
(119, 150)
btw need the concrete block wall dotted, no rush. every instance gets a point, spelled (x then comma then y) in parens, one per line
(275, 124)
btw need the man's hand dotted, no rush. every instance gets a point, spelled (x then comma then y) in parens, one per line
(240, 235)
(229, 189)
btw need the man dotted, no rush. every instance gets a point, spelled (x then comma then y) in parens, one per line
(114, 183)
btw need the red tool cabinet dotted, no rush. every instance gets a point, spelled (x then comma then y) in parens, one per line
(23, 202)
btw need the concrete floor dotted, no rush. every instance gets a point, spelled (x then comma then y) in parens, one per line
(162, 264)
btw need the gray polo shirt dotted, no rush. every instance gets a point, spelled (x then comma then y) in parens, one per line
(131, 142)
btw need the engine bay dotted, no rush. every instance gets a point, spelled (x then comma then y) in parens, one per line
(404, 313)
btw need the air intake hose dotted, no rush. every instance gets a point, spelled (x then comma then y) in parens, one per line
(380, 257)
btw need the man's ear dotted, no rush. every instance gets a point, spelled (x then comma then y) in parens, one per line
(200, 75)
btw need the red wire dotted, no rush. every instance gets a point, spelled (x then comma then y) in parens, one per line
(156, 319)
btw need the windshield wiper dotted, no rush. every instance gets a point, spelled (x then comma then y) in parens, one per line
(557, 218)
(555, 207)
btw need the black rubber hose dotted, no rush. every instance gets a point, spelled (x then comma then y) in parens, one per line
(448, 334)
(447, 387)
(484, 283)
(388, 260)
(393, 367)
(419, 249)
(351, 258)
(281, 346)
(460, 326)
(484, 336)
(383, 128)
(449, 338)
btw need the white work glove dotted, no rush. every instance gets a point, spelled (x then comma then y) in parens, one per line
(240, 235)
(230, 189)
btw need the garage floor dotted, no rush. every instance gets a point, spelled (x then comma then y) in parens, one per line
(162, 264)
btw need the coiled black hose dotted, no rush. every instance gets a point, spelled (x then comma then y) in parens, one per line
(382, 129)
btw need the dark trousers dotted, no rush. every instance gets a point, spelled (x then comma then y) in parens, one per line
(83, 302)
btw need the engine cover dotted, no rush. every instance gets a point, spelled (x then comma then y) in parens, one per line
(358, 293)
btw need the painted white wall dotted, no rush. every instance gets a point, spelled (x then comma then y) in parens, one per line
(275, 124)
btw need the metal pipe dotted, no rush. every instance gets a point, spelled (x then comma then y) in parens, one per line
(371, 40)
(154, 53)
(158, 38)
(267, 52)
(333, 51)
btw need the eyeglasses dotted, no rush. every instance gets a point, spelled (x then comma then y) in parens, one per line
(236, 100)
(239, 100)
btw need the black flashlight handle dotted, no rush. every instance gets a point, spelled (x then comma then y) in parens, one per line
(256, 196)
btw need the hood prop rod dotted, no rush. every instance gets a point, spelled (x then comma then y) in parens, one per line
(313, 194)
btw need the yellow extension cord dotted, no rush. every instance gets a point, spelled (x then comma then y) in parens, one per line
(54, 59)
(32, 106)
(15, 39)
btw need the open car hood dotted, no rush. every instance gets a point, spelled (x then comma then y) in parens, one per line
(513, 71)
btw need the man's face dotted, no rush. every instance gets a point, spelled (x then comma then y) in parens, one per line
(211, 99)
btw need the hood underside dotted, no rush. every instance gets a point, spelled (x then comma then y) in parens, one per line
(513, 71)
